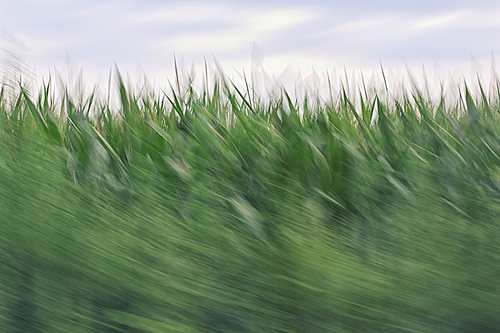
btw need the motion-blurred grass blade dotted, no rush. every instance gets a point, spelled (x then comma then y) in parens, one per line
(47, 126)
(114, 156)
(472, 111)
(160, 131)
(247, 103)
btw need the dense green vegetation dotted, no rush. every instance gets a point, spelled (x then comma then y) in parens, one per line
(213, 211)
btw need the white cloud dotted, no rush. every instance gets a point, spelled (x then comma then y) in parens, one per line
(246, 26)
(278, 19)
(203, 42)
(95, 33)
(368, 23)
(440, 21)
(186, 13)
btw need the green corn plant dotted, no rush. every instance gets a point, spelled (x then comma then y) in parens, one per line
(217, 210)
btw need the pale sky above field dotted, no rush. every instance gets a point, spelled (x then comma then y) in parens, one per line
(446, 37)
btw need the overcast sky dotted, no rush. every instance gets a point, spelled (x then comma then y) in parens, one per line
(457, 37)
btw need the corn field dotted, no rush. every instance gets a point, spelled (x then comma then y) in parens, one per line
(211, 210)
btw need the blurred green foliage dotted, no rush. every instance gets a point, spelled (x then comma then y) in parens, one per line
(215, 212)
